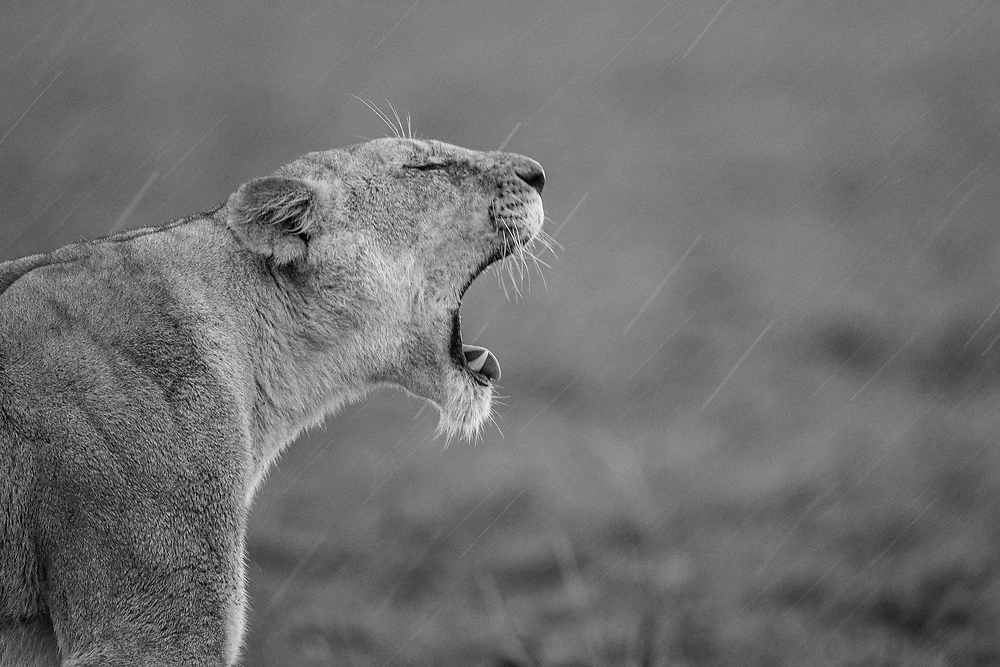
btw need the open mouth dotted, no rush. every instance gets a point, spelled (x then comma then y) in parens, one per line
(477, 361)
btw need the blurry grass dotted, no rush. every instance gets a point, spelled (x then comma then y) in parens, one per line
(864, 536)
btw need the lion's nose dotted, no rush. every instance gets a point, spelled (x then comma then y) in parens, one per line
(531, 173)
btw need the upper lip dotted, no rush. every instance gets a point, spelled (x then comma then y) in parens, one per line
(495, 256)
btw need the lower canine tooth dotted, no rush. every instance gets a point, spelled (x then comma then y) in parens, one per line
(476, 363)
(481, 360)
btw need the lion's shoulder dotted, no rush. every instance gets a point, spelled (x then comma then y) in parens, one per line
(14, 269)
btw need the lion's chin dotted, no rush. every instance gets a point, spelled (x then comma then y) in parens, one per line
(464, 408)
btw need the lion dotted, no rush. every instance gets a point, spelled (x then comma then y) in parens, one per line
(148, 379)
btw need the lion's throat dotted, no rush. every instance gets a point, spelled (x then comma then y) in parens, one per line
(482, 361)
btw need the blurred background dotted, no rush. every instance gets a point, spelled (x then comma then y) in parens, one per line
(750, 413)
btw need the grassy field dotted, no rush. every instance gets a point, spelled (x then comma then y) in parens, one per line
(751, 411)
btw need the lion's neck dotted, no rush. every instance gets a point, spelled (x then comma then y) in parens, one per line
(258, 340)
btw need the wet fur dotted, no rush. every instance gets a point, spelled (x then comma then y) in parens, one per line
(148, 380)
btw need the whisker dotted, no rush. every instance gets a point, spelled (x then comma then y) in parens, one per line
(511, 263)
(378, 112)
(538, 260)
(401, 132)
(492, 418)
(549, 241)
(524, 266)
(385, 119)
(503, 283)
(538, 267)
(513, 280)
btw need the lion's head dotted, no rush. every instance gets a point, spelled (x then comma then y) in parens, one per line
(374, 247)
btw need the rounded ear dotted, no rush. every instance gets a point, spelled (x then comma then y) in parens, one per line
(275, 216)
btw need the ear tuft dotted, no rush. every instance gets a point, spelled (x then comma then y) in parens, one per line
(275, 216)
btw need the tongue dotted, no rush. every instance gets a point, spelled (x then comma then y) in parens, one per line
(481, 361)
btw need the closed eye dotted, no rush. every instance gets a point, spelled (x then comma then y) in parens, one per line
(427, 166)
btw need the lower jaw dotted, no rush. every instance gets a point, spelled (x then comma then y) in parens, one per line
(466, 407)
(482, 382)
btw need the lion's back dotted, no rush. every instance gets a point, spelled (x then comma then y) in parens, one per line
(18, 565)
(26, 420)
(19, 595)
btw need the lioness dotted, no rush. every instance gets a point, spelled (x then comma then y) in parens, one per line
(148, 380)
